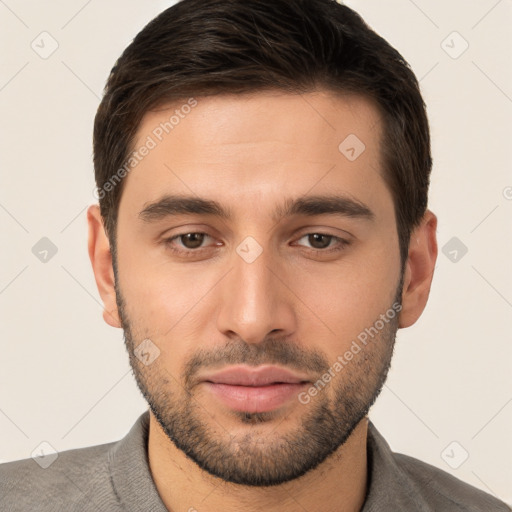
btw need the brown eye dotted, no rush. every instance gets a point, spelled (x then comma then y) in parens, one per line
(192, 240)
(187, 243)
(319, 240)
(323, 243)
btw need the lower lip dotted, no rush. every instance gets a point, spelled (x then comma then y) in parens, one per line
(255, 398)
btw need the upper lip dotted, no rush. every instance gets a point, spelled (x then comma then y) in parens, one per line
(254, 376)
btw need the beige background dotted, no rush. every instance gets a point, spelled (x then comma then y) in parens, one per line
(64, 374)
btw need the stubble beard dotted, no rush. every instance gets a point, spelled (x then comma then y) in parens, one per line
(263, 456)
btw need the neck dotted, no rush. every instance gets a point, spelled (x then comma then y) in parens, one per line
(337, 484)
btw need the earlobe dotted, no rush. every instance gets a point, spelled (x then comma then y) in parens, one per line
(419, 270)
(101, 260)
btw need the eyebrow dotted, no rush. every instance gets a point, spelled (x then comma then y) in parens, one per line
(172, 205)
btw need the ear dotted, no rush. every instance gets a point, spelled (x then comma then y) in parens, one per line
(419, 270)
(101, 260)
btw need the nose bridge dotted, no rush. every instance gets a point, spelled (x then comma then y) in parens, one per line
(253, 301)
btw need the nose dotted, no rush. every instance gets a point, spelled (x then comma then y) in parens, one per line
(254, 302)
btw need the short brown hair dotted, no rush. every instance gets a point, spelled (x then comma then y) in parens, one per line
(208, 47)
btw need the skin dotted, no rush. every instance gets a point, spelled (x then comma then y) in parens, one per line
(249, 153)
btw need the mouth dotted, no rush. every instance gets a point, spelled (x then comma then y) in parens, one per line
(249, 389)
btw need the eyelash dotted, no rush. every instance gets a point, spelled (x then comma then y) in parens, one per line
(341, 243)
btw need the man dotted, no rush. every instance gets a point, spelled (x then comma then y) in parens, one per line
(262, 232)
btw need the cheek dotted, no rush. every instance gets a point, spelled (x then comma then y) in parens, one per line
(167, 303)
(346, 297)
(157, 295)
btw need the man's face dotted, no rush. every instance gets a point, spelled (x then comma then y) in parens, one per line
(255, 289)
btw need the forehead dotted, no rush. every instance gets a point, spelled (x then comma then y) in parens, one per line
(320, 117)
(253, 147)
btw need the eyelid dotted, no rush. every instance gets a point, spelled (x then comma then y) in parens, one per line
(340, 244)
(338, 233)
(169, 240)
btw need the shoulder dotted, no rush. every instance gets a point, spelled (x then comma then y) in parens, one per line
(442, 489)
(402, 483)
(77, 479)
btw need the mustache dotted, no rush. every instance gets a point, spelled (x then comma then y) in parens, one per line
(271, 351)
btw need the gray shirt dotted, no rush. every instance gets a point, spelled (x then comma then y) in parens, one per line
(116, 477)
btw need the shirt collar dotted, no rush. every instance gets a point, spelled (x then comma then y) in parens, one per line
(388, 487)
(130, 472)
